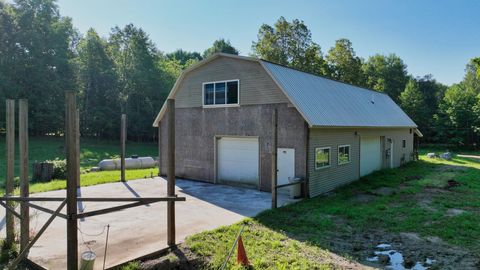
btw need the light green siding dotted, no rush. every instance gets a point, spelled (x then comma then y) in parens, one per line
(256, 86)
(327, 179)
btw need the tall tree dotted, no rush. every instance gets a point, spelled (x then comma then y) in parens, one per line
(183, 57)
(344, 65)
(41, 66)
(8, 53)
(413, 103)
(472, 75)
(456, 114)
(386, 74)
(220, 45)
(141, 89)
(97, 83)
(289, 44)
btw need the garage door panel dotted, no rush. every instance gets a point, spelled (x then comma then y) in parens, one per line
(238, 160)
(370, 155)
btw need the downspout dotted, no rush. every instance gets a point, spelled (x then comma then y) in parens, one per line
(307, 167)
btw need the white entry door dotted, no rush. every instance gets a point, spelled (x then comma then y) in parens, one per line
(370, 155)
(238, 160)
(285, 167)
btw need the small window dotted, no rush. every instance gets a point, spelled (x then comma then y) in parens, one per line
(232, 92)
(343, 154)
(208, 92)
(404, 143)
(220, 93)
(322, 157)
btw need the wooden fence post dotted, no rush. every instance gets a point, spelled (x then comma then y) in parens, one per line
(77, 144)
(70, 128)
(171, 172)
(10, 136)
(159, 149)
(123, 137)
(24, 185)
(274, 157)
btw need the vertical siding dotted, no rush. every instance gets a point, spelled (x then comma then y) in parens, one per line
(327, 179)
(256, 86)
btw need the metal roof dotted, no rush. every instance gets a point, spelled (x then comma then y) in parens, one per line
(329, 103)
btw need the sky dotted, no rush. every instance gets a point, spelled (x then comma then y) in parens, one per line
(432, 37)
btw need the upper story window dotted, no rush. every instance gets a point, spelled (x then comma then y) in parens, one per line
(223, 93)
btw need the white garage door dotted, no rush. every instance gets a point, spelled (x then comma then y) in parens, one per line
(370, 156)
(237, 160)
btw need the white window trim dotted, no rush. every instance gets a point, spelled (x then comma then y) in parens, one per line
(226, 90)
(349, 154)
(329, 157)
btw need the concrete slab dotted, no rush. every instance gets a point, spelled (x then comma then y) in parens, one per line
(142, 230)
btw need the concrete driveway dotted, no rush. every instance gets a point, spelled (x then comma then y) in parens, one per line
(142, 230)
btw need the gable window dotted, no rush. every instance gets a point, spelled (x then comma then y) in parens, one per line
(221, 93)
(322, 157)
(343, 154)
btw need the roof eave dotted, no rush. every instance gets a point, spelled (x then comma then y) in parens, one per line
(374, 127)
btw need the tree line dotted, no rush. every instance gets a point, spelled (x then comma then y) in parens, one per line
(445, 114)
(42, 55)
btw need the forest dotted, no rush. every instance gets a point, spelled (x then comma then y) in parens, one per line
(42, 55)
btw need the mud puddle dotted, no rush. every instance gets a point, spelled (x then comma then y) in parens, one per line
(394, 259)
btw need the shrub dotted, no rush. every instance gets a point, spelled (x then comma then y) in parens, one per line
(59, 168)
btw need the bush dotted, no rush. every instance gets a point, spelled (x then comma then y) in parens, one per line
(59, 168)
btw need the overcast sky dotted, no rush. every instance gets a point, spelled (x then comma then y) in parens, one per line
(432, 37)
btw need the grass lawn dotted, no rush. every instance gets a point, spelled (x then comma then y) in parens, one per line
(92, 152)
(428, 209)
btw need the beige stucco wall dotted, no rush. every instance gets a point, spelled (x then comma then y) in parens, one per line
(326, 179)
(197, 128)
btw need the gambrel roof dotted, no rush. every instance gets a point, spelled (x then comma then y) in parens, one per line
(324, 102)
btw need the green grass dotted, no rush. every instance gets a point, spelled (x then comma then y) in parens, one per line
(296, 236)
(92, 152)
(94, 178)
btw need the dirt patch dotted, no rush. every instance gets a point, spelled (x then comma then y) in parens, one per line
(413, 248)
(181, 258)
(413, 177)
(363, 198)
(454, 212)
(384, 191)
(451, 168)
(452, 183)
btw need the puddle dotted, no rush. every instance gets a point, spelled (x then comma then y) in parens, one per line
(396, 260)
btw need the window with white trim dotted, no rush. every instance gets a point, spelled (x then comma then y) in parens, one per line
(221, 93)
(343, 154)
(322, 157)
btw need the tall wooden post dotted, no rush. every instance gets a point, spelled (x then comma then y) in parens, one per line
(70, 128)
(171, 172)
(77, 145)
(10, 223)
(159, 149)
(274, 157)
(24, 188)
(123, 137)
